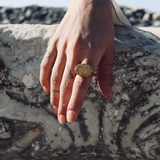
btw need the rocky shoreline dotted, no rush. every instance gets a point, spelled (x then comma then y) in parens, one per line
(138, 17)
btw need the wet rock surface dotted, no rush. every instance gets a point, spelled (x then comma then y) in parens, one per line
(44, 15)
(126, 127)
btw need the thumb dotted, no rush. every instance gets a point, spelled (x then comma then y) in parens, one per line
(105, 73)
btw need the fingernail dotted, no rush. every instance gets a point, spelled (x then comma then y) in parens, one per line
(54, 109)
(110, 92)
(62, 119)
(70, 116)
(45, 89)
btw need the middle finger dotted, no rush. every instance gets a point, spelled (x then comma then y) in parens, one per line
(66, 90)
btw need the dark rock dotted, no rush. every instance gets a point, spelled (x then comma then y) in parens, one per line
(138, 14)
(44, 15)
(134, 21)
(6, 130)
(31, 15)
(2, 66)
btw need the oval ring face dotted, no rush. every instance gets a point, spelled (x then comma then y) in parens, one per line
(84, 70)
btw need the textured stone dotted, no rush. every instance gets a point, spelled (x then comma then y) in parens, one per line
(125, 128)
(154, 30)
(49, 15)
(156, 24)
(156, 16)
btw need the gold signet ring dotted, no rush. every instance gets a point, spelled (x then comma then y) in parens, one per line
(84, 70)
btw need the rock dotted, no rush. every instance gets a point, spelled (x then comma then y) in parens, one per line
(134, 21)
(147, 20)
(156, 16)
(156, 24)
(146, 17)
(28, 13)
(138, 17)
(128, 12)
(31, 15)
(125, 128)
(139, 13)
(154, 30)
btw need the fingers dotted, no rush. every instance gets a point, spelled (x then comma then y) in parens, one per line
(56, 76)
(79, 91)
(67, 94)
(45, 68)
(80, 88)
(105, 72)
(81, 85)
(65, 91)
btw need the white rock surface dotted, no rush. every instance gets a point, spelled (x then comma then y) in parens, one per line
(155, 30)
(125, 128)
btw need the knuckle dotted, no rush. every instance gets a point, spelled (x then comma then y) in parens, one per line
(53, 101)
(54, 40)
(54, 75)
(73, 103)
(54, 78)
(74, 45)
(93, 45)
(43, 66)
(53, 81)
(62, 108)
(65, 84)
(42, 81)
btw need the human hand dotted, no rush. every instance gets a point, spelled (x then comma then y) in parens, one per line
(85, 35)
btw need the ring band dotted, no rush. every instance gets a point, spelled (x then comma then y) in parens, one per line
(84, 70)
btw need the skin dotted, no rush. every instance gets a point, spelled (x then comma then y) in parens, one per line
(85, 35)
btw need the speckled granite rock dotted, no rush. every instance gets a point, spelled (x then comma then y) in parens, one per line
(125, 128)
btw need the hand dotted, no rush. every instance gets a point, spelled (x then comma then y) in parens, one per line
(85, 35)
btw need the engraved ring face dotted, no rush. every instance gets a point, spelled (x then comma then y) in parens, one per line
(84, 70)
